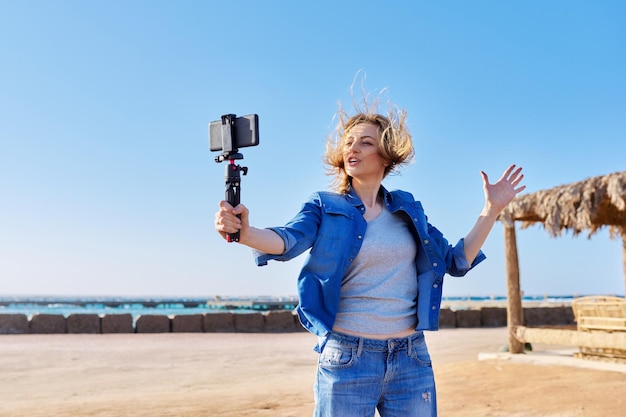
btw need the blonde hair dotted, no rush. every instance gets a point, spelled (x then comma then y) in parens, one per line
(395, 142)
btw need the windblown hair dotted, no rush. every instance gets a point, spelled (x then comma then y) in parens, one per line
(396, 145)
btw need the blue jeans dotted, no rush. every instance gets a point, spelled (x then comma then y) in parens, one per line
(355, 376)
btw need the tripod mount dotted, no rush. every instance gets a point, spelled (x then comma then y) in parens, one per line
(232, 172)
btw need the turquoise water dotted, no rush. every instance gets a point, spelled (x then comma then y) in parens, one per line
(137, 306)
(179, 306)
(67, 308)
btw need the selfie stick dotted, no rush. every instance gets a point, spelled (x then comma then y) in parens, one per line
(232, 174)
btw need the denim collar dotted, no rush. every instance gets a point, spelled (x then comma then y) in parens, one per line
(354, 199)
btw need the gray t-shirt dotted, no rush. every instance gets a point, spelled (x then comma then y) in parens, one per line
(378, 293)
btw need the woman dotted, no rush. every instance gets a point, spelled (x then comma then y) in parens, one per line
(372, 282)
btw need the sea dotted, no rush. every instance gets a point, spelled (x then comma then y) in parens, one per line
(171, 306)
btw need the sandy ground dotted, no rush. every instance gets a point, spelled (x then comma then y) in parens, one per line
(189, 375)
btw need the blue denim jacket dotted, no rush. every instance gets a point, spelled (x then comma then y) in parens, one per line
(332, 226)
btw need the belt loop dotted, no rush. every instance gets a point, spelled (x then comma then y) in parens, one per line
(409, 347)
(359, 349)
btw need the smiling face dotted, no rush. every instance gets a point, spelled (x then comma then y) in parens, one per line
(361, 153)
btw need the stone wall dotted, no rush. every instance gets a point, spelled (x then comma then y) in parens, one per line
(255, 322)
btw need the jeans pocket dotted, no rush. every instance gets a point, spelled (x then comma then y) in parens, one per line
(420, 355)
(335, 356)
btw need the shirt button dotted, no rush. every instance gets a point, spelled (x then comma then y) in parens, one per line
(359, 237)
(435, 286)
(434, 308)
(426, 242)
(435, 264)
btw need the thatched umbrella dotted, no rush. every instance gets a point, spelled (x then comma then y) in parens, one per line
(584, 206)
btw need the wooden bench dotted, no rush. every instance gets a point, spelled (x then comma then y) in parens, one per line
(600, 314)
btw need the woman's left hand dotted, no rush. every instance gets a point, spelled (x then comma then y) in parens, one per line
(502, 192)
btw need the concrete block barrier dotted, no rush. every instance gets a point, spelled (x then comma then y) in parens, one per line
(548, 316)
(269, 321)
(280, 321)
(493, 317)
(249, 322)
(447, 318)
(468, 318)
(14, 324)
(187, 323)
(48, 323)
(117, 323)
(153, 323)
(83, 323)
(223, 322)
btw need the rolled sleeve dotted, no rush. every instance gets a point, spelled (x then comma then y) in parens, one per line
(261, 258)
(460, 265)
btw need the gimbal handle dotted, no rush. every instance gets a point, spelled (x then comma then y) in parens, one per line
(232, 179)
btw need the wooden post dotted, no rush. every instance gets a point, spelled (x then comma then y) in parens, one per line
(624, 258)
(514, 312)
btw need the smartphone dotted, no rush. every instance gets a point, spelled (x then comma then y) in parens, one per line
(246, 133)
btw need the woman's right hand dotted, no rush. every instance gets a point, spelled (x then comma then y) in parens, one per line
(263, 240)
(226, 220)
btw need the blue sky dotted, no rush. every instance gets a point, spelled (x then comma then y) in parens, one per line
(108, 187)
